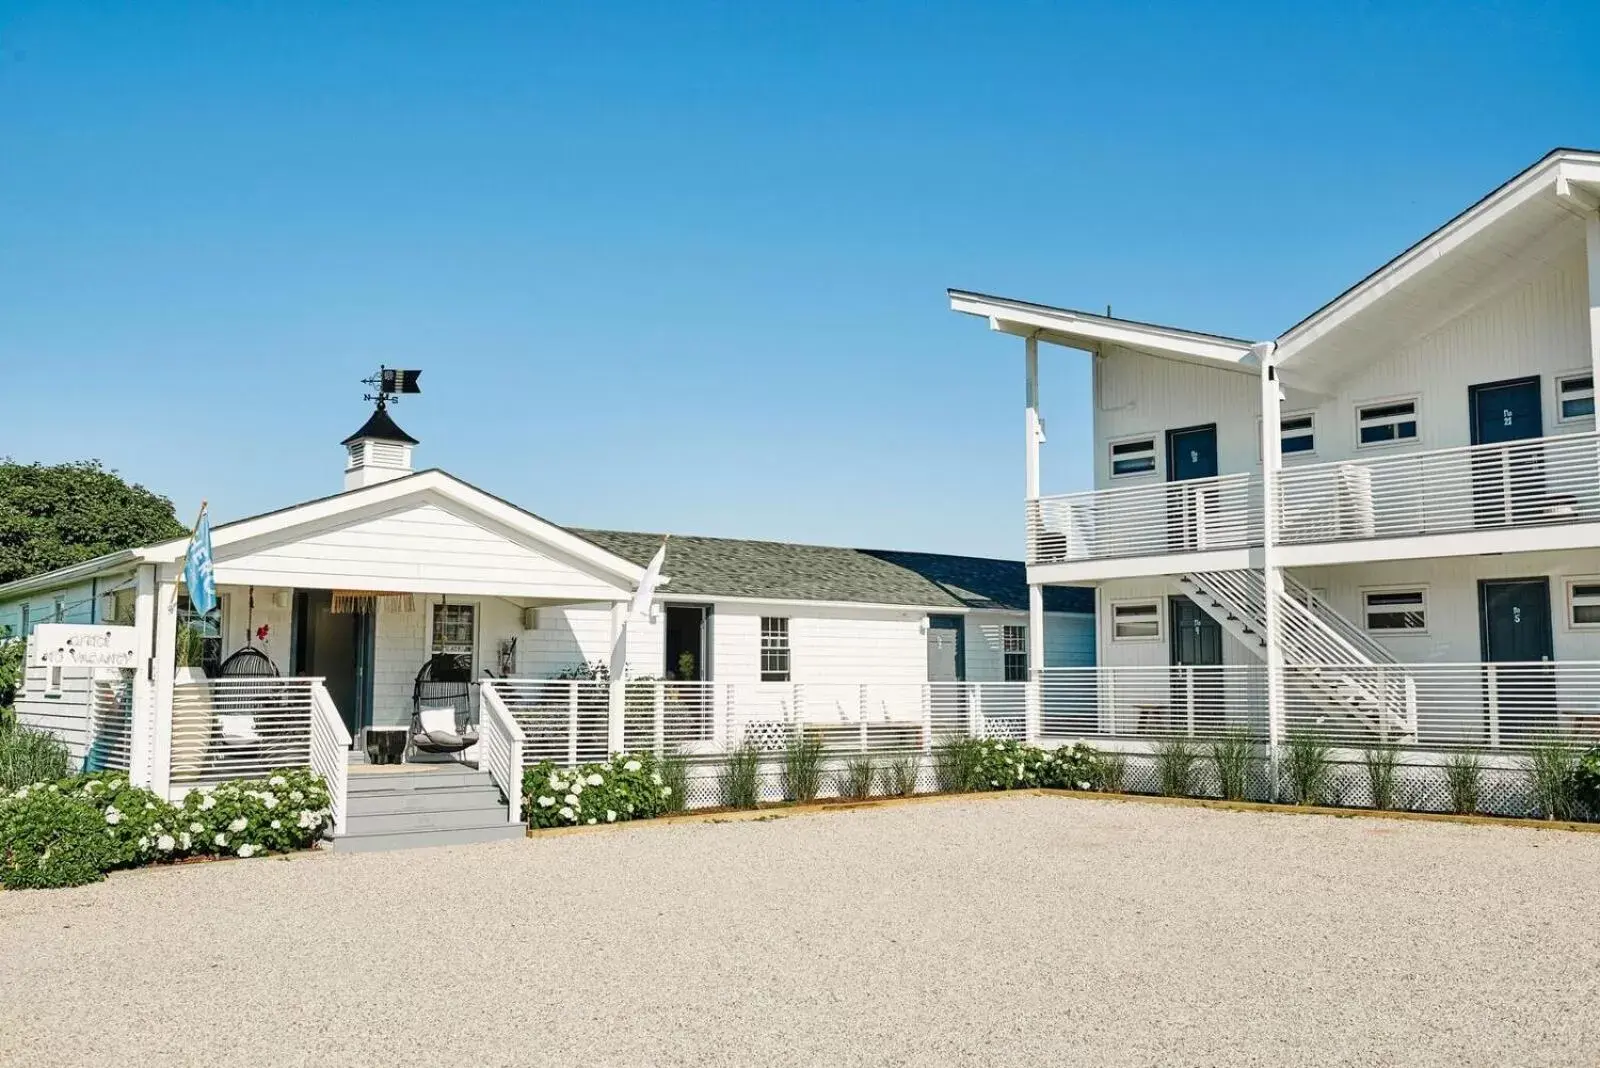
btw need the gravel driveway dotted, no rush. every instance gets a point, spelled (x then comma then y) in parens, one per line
(1019, 930)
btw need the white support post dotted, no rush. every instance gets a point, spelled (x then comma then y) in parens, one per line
(1033, 437)
(1033, 426)
(166, 659)
(1271, 575)
(1591, 240)
(1033, 692)
(616, 692)
(143, 713)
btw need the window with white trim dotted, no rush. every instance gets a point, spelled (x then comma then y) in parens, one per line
(1583, 604)
(1014, 651)
(774, 649)
(1136, 456)
(1136, 621)
(1396, 611)
(1297, 431)
(1388, 422)
(455, 633)
(1574, 397)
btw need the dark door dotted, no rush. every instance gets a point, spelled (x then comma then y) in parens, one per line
(1191, 454)
(1514, 624)
(686, 643)
(946, 650)
(337, 646)
(1196, 645)
(1507, 483)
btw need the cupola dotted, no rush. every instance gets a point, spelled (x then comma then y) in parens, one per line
(378, 452)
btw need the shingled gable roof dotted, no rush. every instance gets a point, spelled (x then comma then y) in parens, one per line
(775, 570)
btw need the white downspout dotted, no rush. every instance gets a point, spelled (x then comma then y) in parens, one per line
(142, 715)
(1271, 576)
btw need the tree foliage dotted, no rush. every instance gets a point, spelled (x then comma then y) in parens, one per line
(63, 514)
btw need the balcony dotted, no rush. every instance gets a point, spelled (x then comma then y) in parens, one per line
(1349, 510)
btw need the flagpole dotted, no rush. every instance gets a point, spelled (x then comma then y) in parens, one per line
(199, 516)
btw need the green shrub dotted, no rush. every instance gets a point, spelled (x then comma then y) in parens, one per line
(1308, 768)
(739, 778)
(900, 775)
(1586, 781)
(50, 838)
(855, 780)
(1382, 763)
(1552, 771)
(674, 768)
(1071, 767)
(1233, 755)
(1110, 771)
(285, 811)
(957, 765)
(1175, 761)
(627, 787)
(143, 826)
(801, 775)
(29, 756)
(1463, 781)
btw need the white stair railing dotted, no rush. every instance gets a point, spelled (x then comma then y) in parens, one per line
(330, 752)
(501, 740)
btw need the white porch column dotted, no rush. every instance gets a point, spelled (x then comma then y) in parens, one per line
(143, 713)
(616, 695)
(1033, 435)
(1271, 574)
(1591, 234)
(166, 658)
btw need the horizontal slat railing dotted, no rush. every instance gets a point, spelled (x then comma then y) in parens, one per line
(568, 721)
(501, 741)
(1149, 520)
(240, 728)
(330, 751)
(109, 745)
(1536, 482)
(1153, 702)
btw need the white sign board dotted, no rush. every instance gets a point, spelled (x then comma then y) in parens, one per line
(83, 645)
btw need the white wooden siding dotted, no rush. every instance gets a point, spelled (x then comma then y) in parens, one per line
(420, 548)
(1156, 653)
(66, 715)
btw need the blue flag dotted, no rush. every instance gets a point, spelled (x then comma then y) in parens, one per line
(198, 573)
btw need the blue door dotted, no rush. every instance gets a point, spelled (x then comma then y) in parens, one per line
(1507, 483)
(1191, 454)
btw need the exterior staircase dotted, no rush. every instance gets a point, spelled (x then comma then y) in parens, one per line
(423, 805)
(1328, 660)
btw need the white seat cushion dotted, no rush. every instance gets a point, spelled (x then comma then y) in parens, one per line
(437, 720)
(237, 728)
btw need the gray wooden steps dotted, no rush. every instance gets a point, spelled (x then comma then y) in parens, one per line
(429, 806)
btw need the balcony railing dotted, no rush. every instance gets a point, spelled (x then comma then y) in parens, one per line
(1537, 482)
(1154, 520)
(1533, 483)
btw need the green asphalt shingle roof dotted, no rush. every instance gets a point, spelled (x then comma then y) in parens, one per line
(733, 567)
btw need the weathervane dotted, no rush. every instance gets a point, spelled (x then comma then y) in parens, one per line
(389, 384)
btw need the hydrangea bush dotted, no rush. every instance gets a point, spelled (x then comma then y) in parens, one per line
(45, 839)
(627, 787)
(968, 764)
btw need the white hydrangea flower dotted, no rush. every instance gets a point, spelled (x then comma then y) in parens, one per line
(113, 817)
(185, 840)
(611, 817)
(197, 827)
(296, 796)
(571, 799)
(1083, 785)
(278, 780)
(666, 791)
(238, 825)
(277, 825)
(555, 783)
(591, 821)
(577, 786)
(567, 813)
(165, 843)
(632, 765)
(655, 778)
(269, 802)
(220, 840)
(595, 779)
(144, 841)
(207, 803)
(546, 802)
(247, 850)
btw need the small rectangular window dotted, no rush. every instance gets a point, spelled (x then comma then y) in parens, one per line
(1014, 648)
(1136, 621)
(1299, 434)
(774, 649)
(1133, 457)
(1396, 611)
(1583, 604)
(1387, 423)
(1575, 394)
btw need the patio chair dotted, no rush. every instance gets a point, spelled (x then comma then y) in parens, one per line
(441, 706)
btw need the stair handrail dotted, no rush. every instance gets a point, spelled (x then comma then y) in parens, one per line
(1337, 622)
(330, 752)
(502, 739)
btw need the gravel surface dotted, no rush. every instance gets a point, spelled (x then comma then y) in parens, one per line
(1020, 930)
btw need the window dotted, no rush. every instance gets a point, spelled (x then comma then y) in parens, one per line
(205, 630)
(1133, 457)
(1583, 604)
(59, 610)
(26, 632)
(1575, 397)
(455, 632)
(1136, 621)
(1299, 433)
(1014, 650)
(1396, 611)
(774, 649)
(121, 608)
(1386, 423)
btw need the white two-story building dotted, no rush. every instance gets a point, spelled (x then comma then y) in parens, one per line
(1418, 558)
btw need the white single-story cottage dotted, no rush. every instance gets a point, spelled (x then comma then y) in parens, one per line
(408, 575)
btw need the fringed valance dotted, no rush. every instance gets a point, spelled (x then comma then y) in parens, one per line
(367, 601)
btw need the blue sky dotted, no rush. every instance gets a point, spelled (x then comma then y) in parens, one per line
(682, 267)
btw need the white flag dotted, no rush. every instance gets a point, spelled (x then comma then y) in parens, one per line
(647, 585)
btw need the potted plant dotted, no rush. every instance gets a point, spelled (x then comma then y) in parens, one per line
(190, 654)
